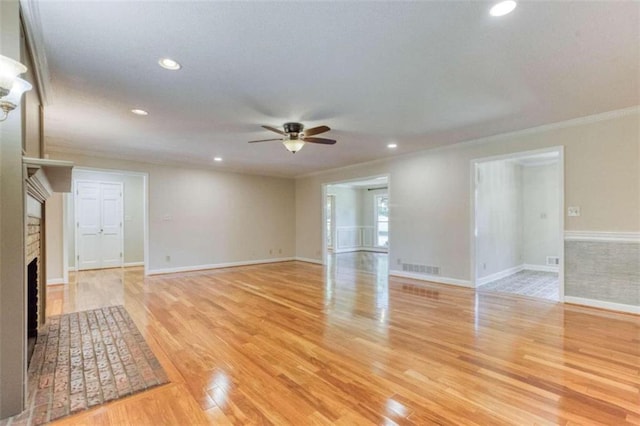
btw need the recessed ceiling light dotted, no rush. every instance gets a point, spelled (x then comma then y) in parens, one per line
(217, 158)
(502, 8)
(392, 145)
(137, 111)
(169, 64)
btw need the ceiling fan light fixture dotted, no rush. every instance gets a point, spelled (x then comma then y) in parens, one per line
(293, 145)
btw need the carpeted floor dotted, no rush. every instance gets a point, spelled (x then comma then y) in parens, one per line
(527, 283)
(85, 359)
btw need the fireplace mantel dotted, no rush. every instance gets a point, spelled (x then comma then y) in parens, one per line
(45, 177)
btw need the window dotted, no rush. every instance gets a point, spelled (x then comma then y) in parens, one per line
(382, 220)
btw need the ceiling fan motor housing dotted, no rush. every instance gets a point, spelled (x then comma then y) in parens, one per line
(293, 127)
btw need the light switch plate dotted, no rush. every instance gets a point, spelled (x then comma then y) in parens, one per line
(573, 211)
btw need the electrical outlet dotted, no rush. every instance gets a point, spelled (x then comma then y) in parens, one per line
(399, 261)
(543, 215)
(270, 251)
(484, 266)
(573, 211)
(279, 251)
(167, 258)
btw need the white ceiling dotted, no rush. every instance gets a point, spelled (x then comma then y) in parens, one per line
(421, 74)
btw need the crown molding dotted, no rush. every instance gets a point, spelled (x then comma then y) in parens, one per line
(604, 116)
(30, 14)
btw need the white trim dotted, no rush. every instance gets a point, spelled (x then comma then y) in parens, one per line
(499, 275)
(130, 264)
(541, 268)
(56, 281)
(308, 260)
(593, 303)
(432, 278)
(613, 236)
(217, 265)
(609, 115)
(355, 249)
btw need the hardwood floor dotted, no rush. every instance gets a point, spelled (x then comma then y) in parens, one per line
(294, 343)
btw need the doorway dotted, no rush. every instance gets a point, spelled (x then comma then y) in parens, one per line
(518, 224)
(106, 220)
(356, 225)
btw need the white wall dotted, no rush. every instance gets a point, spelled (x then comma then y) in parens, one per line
(499, 218)
(541, 222)
(202, 217)
(430, 191)
(348, 205)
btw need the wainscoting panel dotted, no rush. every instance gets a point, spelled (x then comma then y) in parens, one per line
(353, 238)
(603, 268)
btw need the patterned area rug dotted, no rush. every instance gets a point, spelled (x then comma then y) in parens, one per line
(528, 283)
(85, 359)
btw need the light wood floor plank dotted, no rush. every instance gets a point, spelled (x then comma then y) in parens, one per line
(296, 343)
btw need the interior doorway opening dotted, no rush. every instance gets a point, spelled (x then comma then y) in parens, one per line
(106, 220)
(356, 225)
(518, 224)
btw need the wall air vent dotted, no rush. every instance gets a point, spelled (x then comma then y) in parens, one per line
(553, 260)
(421, 269)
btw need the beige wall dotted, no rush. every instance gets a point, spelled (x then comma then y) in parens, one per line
(201, 217)
(12, 233)
(53, 237)
(430, 191)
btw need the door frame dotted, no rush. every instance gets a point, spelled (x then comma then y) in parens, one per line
(324, 210)
(472, 229)
(333, 220)
(75, 217)
(145, 214)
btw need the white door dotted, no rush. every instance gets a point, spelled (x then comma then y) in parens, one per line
(99, 224)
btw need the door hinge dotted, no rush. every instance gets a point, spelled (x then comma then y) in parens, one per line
(78, 224)
(120, 254)
(78, 257)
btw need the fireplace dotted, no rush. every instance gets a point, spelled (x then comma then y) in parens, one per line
(35, 304)
(32, 305)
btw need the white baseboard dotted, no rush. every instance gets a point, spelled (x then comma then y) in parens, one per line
(632, 309)
(216, 266)
(354, 249)
(507, 272)
(309, 260)
(431, 278)
(56, 281)
(498, 275)
(540, 268)
(130, 264)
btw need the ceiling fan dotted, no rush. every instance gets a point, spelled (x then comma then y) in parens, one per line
(294, 136)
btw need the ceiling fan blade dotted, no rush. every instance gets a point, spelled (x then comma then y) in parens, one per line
(273, 129)
(266, 140)
(320, 140)
(316, 130)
